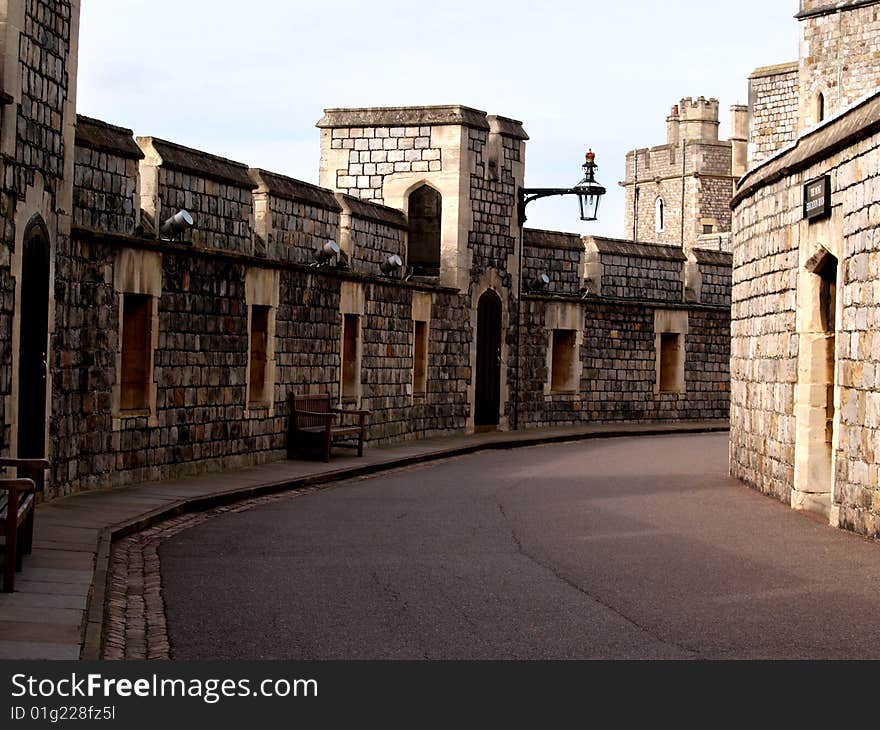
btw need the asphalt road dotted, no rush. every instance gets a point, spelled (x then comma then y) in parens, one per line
(619, 548)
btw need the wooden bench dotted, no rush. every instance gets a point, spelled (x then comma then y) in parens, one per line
(17, 502)
(312, 430)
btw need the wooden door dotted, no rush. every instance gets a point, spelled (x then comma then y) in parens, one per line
(33, 344)
(487, 397)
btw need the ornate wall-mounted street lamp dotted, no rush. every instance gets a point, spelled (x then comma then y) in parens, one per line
(589, 193)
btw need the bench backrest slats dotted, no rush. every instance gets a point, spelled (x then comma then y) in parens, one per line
(318, 403)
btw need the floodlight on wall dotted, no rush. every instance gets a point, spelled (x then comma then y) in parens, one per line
(326, 252)
(176, 224)
(391, 265)
(539, 283)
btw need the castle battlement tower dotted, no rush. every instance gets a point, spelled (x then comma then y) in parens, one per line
(840, 44)
(680, 191)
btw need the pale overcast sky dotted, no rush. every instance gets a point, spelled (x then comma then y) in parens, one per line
(250, 80)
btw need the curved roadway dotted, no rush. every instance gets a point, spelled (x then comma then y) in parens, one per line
(619, 548)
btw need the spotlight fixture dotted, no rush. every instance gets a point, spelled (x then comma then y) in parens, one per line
(539, 283)
(326, 252)
(176, 224)
(391, 264)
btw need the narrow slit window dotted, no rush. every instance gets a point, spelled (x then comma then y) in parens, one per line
(257, 394)
(137, 310)
(659, 215)
(563, 372)
(420, 358)
(350, 356)
(671, 376)
(820, 107)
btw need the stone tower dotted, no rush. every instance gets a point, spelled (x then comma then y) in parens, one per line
(681, 190)
(474, 162)
(455, 172)
(839, 47)
(38, 66)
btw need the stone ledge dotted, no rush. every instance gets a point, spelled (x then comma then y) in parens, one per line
(832, 7)
(776, 70)
(717, 258)
(506, 127)
(368, 210)
(539, 238)
(852, 125)
(173, 156)
(404, 116)
(103, 137)
(623, 247)
(281, 186)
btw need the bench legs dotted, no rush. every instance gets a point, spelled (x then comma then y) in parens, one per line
(11, 559)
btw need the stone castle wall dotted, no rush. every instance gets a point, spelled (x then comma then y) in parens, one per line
(840, 43)
(254, 244)
(292, 218)
(696, 189)
(556, 254)
(781, 391)
(626, 270)
(38, 41)
(773, 107)
(202, 420)
(618, 366)
(105, 178)
(376, 152)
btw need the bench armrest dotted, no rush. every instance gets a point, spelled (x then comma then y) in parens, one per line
(322, 414)
(17, 485)
(29, 464)
(351, 411)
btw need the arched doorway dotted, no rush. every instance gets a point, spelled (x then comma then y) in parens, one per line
(487, 392)
(33, 342)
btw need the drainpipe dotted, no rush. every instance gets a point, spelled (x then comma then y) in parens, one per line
(839, 62)
(635, 196)
(683, 152)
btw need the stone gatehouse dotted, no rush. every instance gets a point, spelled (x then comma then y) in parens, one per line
(160, 303)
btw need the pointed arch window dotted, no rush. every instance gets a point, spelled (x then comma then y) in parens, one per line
(659, 215)
(820, 107)
(425, 211)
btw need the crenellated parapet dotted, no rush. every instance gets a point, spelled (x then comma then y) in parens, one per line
(128, 187)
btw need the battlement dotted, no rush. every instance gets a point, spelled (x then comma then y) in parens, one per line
(700, 109)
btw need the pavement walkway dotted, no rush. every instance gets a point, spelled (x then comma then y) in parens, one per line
(57, 609)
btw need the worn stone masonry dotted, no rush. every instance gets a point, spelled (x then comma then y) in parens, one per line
(105, 177)
(38, 50)
(681, 190)
(804, 386)
(805, 411)
(556, 254)
(773, 109)
(165, 352)
(376, 152)
(839, 47)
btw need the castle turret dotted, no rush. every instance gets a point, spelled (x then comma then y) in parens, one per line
(838, 56)
(699, 119)
(739, 139)
(680, 191)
